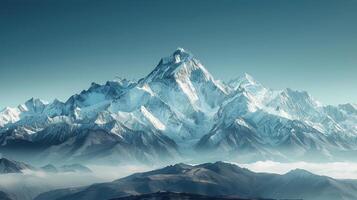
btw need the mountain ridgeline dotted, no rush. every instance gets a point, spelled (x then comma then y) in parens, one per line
(174, 112)
(213, 180)
(10, 166)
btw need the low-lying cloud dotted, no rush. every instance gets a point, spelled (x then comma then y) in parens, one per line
(339, 170)
(29, 184)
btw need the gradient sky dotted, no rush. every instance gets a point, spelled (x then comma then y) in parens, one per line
(55, 48)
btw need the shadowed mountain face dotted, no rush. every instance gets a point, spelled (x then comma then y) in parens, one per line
(215, 179)
(21, 181)
(175, 111)
(178, 196)
(11, 166)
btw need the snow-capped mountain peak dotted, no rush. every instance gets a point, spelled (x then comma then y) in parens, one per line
(350, 108)
(244, 80)
(247, 79)
(179, 55)
(182, 76)
(259, 94)
(179, 65)
(122, 82)
(9, 115)
(33, 105)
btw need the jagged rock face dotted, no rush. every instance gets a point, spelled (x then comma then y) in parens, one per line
(173, 112)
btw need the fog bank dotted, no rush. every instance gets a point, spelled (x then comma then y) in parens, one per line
(338, 170)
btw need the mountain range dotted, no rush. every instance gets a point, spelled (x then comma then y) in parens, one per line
(179, 111)
(11, 166)
(214, 179)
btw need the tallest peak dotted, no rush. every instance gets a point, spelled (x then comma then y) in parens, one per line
(180, 55)
(180, 63)
(180, 50)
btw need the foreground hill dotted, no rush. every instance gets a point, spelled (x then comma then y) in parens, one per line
(215, 179)
(178, 196)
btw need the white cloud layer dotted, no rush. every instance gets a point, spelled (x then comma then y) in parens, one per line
(29, 184)
(339, 170)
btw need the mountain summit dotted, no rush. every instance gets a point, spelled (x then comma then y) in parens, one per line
(178, 65)
(172, 65)
(177, 111)
(182, 71)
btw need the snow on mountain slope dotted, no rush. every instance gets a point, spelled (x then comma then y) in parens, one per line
(176, 108)
(251, 86)
(298, 104)
(32, 107)
(276, 125)
(182, 79)
(154, 121)
(344, 116)
(9, 115)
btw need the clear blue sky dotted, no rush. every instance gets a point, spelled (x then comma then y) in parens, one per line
(54, 48)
